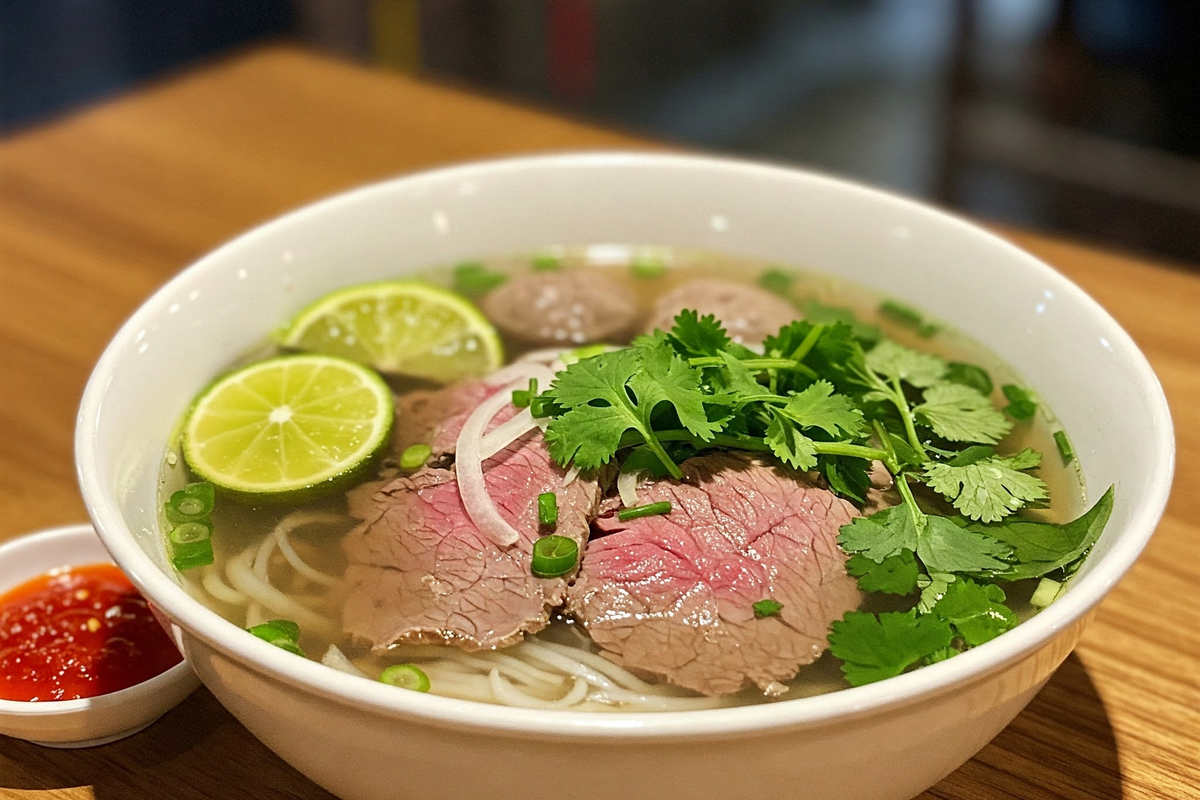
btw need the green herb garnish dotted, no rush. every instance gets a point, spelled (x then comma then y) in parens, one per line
(648, 510)
(1022, 404)
(415, 456)
(767, 608)
(405, 676)
(473, 279)
(554, 556)
(547, 507)
(283, 633)
(823, 396)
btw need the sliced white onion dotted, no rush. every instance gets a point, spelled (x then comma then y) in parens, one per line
(507, 433)
(571, 475)
(469, 461)
(627, 487)
(336, 659)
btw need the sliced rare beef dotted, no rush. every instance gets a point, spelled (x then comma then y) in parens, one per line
(420, 571)
(435, 416)
(568, 308)
(749, 314)
(673, 595)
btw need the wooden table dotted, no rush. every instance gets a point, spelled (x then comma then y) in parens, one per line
(99, 208)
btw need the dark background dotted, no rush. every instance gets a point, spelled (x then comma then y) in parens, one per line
(1074, 117)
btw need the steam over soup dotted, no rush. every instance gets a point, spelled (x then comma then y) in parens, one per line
(693, 481)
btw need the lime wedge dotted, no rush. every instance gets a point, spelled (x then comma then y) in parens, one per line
(290, 427)
(399, 328)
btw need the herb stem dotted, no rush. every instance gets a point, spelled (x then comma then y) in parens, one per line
(906, 416)
(760, 364)
(734, 442)
(809, 342)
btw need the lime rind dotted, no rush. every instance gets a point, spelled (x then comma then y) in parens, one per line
(291, 427)
(404, 327)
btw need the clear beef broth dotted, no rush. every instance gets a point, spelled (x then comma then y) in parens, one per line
(240, 528)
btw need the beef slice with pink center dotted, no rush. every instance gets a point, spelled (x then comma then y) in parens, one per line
(674, 595)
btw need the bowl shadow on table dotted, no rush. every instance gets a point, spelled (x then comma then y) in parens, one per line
(1061, 747)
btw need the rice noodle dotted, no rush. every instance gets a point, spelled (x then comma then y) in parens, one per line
(242, 572)
(212, 583)
(300, 519)
(508, 694)
(627, 487)
(469, 462)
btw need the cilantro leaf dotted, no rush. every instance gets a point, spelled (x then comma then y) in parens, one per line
(698, 336)
(848, 477)
(933, 588)
(790, 445)
(940, 544)
(976, 611)
(880, 535)
(839, 358)
(767, 608)
(961, 414)
(896, 574)
(818, 407)
(970, 375)
(737, 379)
(617, 391)
(876, 647)
(946, 547)
(991, 488)
(1041, 547)
(897, 361)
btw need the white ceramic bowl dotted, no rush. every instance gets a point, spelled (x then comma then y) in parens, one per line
(93, 720)
(887, 740)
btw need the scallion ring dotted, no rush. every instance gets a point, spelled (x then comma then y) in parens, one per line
(554, 556)
(406, 676)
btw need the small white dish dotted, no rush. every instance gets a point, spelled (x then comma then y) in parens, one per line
(94, 720)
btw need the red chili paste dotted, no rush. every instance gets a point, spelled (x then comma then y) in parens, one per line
(78, 632)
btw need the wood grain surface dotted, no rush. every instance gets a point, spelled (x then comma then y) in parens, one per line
(100, 208)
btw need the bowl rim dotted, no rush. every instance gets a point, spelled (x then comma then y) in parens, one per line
(845, 704)
(56, 537)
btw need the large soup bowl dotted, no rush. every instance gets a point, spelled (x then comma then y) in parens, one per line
(364, 740)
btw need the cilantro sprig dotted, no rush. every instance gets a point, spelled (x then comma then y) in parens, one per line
(821, 395)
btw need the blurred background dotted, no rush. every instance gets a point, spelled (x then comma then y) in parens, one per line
(1073, 117)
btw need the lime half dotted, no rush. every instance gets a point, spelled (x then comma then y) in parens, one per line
(291, 427)
(400, 328)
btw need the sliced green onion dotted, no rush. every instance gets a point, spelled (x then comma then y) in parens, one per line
(190, 556)
(1047, 592)
(546, 262)
(541, 406)
(193, 502)
(405, 676)
(474, 279)
(283, 633)
(909, 317)
(648, 510)
(547, 505)
(553, 556)
(1021, 402)
(415, 456)
(1065, 449)
(191, 545)
(191, 533)
(647, 268)
(767, 608)
(778, 281)
(521, 398)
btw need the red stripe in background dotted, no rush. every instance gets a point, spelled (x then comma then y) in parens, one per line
(572, 48)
